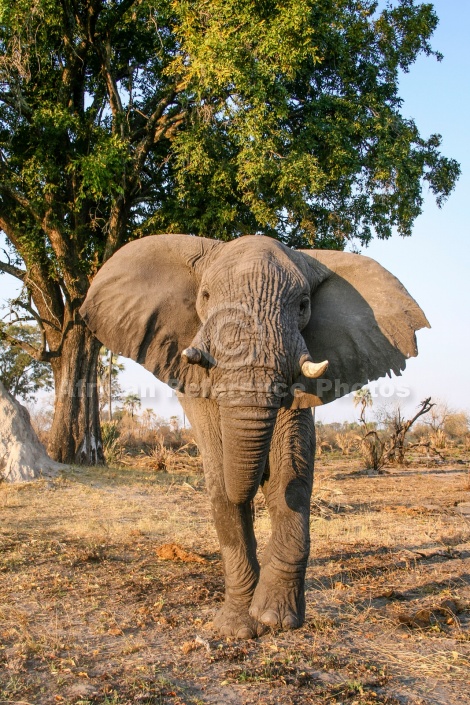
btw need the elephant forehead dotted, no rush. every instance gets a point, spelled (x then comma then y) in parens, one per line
(255, 269)
(256, 247)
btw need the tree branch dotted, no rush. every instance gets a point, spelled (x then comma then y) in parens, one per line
(27, 307)
(153, 124)
(113, 16)
(14, 271)
(158, 124)
(114, 97)
(429, 446)
(170, 128)
(116, 225)
(65, 249)
(425, 407)
(17, 102)
(41, 355)
(46, 291)
(20, 200)
(10, 232)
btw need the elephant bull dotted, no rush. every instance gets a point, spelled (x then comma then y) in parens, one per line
(253, 334)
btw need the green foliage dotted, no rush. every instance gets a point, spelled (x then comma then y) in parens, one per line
(121, 118)
(280, 117)
(110, 434)
(298, 131)
(99, 174)
(20, 373)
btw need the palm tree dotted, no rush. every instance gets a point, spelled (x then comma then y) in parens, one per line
(131, 403)
(109, 368)
(149, 417)
(363, 398)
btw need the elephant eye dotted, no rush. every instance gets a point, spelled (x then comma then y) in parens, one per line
(304, 304)
(205, 295)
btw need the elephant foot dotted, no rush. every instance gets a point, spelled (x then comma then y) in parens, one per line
(278, 603)
(234, 620)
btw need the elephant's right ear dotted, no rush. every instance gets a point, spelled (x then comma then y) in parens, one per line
(142, 303)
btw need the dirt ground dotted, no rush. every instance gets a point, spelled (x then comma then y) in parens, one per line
(110, 579)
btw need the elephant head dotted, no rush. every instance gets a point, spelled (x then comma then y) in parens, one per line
(251, 323)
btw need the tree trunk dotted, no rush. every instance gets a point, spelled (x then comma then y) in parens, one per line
(75, 436)
(110, 389)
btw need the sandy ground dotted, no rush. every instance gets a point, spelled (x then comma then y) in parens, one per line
(94, 610)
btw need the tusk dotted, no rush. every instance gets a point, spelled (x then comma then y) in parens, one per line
(196, 356)
(193, 355)
(314, 369)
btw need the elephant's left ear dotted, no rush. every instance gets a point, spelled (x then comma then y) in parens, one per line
(363, 322)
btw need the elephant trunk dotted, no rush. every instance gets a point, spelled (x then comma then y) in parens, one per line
(246, 438)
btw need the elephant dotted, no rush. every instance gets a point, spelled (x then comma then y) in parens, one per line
(252, 334)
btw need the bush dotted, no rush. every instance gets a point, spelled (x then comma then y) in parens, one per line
(110, 434)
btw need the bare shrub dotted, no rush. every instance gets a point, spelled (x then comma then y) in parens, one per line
(41, 418)
(346, 441)
(419, 433)
(444, 428)
(438, 439)
(321, 447)
(148, 441)
(162, 458)
(372, 447)
(322, 444)
(398, 428)
(438, 416)
(456, 426)
(373, 451)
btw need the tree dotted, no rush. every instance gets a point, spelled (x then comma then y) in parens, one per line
(372, 446)
(457, 425)
(398, 430)
(110, 390)
(445, 423)
(363, 399)
(119, 118)
(149, 418)
(131, 403)
(86, 115)
(20, 373)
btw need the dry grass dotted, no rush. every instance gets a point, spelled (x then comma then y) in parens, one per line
(89, 612)
(160, 457)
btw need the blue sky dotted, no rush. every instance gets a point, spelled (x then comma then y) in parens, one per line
(433, 264)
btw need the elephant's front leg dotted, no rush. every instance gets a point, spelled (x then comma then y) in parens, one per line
(279, 598)
(234, 526)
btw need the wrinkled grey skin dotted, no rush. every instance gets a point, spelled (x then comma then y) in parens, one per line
(255, 309)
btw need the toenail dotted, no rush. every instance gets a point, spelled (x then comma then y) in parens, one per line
(261, 629)
(290, 622)
(245, 633)
(269, 617)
